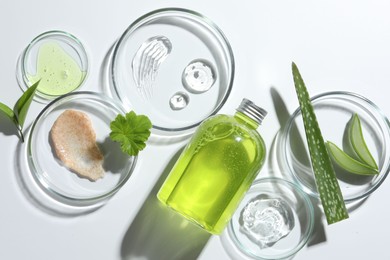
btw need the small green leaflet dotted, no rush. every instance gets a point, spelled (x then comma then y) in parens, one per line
(357, 159)
(325, 177)
(19, 113)
(7, 111)
(23, 104)
(131, 131)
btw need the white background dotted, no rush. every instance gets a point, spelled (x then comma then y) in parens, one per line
(338, 45)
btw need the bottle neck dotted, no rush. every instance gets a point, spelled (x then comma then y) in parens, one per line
(250, 114)
(246, 120)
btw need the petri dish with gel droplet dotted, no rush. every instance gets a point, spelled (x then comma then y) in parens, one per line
(56, 58)
(173, 65)
(274, 220)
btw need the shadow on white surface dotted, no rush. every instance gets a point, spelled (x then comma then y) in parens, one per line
(157, 232)
(7, 127)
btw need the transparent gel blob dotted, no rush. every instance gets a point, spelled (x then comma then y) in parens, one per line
(179, 101)
(265, 221)
(199, 76)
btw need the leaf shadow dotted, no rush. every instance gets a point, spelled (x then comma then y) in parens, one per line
(7, 127)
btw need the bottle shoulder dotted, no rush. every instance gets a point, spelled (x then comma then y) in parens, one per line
(224, 125)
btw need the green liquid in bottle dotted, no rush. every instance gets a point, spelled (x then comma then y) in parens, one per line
(214, 171)
(58, 71)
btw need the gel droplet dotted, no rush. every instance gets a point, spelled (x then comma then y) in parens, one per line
(179, 101)
(198, 76)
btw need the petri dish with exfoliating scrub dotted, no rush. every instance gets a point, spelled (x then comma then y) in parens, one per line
(56, 58)
(59, 180)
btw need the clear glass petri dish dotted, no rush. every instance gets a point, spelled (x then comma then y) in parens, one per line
(59, 181)
(56, 58)
(334, 111)
(164, 54)
(274, 220)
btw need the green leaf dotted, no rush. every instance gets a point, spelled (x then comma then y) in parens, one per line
(325, 177)
(7, 111)
(359, 144)
(23, 104)
(131, 132)
(348, 163)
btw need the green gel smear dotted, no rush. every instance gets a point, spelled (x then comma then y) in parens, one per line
(58, 71)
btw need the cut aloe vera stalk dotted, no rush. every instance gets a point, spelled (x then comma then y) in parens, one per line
(359, 144)
(325, 177)
(348, 163)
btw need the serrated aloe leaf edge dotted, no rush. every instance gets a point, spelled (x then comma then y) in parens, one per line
(327, 184)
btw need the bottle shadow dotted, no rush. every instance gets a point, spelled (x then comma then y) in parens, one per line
(158, 232)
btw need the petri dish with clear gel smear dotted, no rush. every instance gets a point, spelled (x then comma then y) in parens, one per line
(274, 220)
(58, 59)
(175, 66)
(58, 181)
(334, 111)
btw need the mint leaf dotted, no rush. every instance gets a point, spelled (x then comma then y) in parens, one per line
(131, 132)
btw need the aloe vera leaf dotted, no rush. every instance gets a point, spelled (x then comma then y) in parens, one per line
(348, 163)
(325, 177)
(359, 144)
(23, 104)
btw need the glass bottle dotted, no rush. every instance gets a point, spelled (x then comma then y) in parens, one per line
(216, 168)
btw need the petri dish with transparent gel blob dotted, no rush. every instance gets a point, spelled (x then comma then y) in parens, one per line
(159, 57)
(274, 220)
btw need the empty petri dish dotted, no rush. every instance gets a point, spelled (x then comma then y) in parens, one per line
(149, 61)
(60, 182)
(334, 111)
(56, 58)
(273, 221)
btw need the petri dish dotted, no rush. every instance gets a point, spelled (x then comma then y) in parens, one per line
(273, 221)
(58, 59)
(150, 59)
(334, 111)
(57, 180)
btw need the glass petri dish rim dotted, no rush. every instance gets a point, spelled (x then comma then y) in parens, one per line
(82, 55)
(284, 133)
(36, 171)
(310, 213)
(183, 12)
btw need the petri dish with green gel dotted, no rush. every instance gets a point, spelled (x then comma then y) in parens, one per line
(56, 58)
